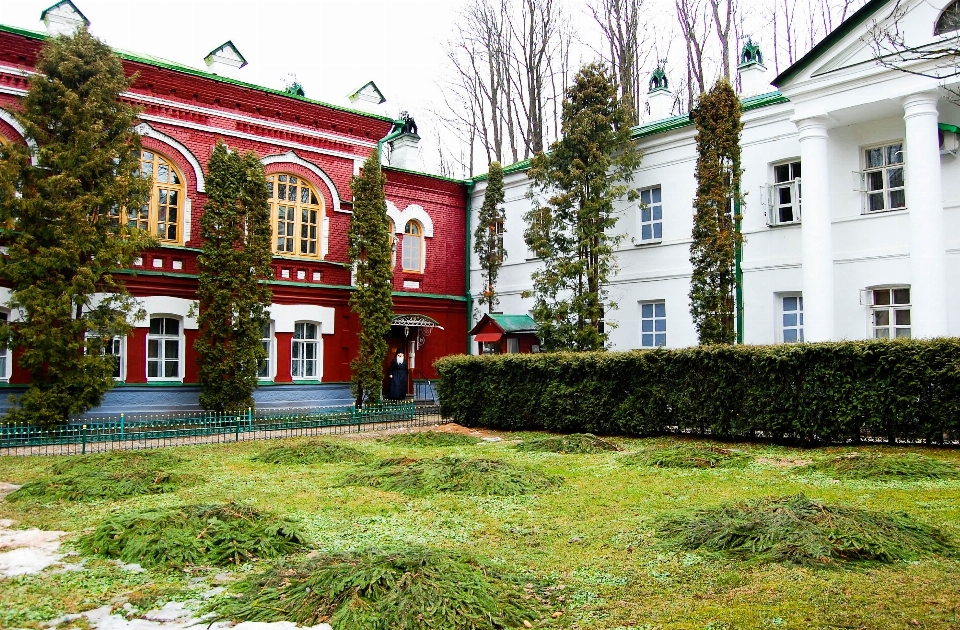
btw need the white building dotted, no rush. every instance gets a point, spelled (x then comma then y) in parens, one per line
(874, 251)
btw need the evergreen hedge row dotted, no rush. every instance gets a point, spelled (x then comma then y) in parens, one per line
(901, 390)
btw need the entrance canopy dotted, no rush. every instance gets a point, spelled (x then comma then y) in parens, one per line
(415, 320)
(488, 337)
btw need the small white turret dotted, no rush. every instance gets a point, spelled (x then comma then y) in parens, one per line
(659, 97)
(753, 79)
(63, 18)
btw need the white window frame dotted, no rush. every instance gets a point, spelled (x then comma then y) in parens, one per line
(862, 177)
(297, 361)
(5, 353)
(422, 244)
(780, 311)
(122, 354)
(181, 348)
(271, 343)
(653, 319)
(771, 194)
(653, 222)
(891, 309)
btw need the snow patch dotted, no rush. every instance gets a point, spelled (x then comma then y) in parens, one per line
(27, 551)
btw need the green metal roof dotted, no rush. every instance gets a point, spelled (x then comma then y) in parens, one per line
(514, 323)
(170, 65)
(852, 22)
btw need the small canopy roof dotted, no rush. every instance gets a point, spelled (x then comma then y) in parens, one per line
(415, 320)
(504, 324)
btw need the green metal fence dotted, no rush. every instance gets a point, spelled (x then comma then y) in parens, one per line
(135, 431)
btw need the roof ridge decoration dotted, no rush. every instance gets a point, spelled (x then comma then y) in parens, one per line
(658, 80)
(751, 55)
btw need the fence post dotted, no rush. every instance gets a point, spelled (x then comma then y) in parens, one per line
(83, 440)
(123, 427)
(250, 417)
(358, 416)
(237, 430)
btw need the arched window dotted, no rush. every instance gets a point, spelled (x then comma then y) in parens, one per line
(393, 243)
(297, 210)
(162, 215)
(413, 247)
(949, 20)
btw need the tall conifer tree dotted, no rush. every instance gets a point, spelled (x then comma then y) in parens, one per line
(232, 290)
(715, 237)
(372, 301)
(585, 173)
(64, 230)
(488, 237)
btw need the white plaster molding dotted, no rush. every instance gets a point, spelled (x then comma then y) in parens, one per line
(8, 118)
(292, 158)
(411, 212)
(147, 131)
(187, 218)
(285, 316)
(157, 305)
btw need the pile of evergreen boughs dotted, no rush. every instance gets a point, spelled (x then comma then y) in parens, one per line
(687, 456)
(479, 477)
(803, 531)
(384, 590)
(426, 439)
(216, 535)
(902, 467)
(579, 443)
(106, 477)
(313, 452)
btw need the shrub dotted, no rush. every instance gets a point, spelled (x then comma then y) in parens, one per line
(685, 456)
(574, 443)
(813, 393)
(426, 439)
(803, 531)
(314, 452)
(481, 477)
(106, 477)
(193, 535)
(903, 466)
(383, 590)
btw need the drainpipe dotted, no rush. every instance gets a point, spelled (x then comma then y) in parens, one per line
(394, 133)
(470, 184)
(738, 270)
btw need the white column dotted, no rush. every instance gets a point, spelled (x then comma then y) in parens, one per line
(816, 254)
(928, 256)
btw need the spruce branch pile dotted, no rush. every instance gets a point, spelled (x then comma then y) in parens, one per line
(804, 531)
(105, 477)
(314, 452)
(383, 590)
(716, 234)
(686, 456)
(427, 439)
(65, 226)
(573, 231)
(477, 477)
(488, 237)
(371, 254)
(217, 535)
(900, 467)
(233, 291)
(573, 443)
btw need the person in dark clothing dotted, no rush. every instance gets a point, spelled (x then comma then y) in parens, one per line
(397, 372)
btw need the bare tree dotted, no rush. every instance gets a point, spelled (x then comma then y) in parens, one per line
(626, 38)
(939, 59)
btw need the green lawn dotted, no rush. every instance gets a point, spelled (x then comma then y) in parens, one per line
(595, 535)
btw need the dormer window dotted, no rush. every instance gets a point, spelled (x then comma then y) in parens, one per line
(949, 20)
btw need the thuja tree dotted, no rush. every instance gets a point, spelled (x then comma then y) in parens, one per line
(61, 217)
(372, 301)
(715, 237)
(488, 238)
(232, 290)
(585, 173)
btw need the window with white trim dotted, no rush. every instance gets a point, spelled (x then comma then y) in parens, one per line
(651, 215)
(413, 247)
(890, 313)
(162, 215)
(297, 214)
(784, 195)
(305, 353)
(791, 318)
(164, 349)
(5, 361)
(113, 347)
(882, 180)
(265, 369)
(653, 324)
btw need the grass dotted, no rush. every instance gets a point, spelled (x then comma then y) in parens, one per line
(575, 443)
(478, 477)
(803, 531)
(902, 467)
(217, 535)
(313, 452)
(430, 439)
(687, 456)
(105, 477)
(383, 590)
(594, 542)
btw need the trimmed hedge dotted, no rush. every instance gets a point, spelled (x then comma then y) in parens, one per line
(816, 392)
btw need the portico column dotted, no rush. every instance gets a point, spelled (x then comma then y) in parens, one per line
(928, 256)
(816, 239)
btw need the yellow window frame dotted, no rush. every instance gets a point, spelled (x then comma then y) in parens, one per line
(167, 198)
(292, 234)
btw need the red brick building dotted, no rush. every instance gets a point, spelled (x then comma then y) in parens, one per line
(310, 151)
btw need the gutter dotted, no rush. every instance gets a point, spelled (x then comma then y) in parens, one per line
(470, 184)
(738, 270)
(394, 133)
